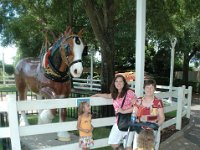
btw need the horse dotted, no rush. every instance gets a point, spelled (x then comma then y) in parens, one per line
(49, 75)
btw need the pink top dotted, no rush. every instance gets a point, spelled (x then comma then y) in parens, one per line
(127, 104)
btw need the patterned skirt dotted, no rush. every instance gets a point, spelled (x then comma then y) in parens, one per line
(86, 142)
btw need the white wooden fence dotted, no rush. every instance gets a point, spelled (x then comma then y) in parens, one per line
(78, 83)
(93, 85)
(7, 80)
(87, 84)
(181, 103)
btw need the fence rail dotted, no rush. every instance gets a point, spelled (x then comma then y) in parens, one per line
(78, 83)
(14, 131)
(86, 84)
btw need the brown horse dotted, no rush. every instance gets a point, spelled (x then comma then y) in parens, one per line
(48, 76)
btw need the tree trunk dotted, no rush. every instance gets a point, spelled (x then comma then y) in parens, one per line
(102, 22)
(107, 69)
(70, 12)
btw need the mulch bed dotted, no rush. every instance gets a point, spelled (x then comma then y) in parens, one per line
(169, 131)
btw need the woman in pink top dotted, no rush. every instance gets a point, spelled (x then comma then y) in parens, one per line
(118, 89)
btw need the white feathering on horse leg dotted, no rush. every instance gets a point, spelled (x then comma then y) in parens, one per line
(23, 119)
(45, 117)
(63, 135)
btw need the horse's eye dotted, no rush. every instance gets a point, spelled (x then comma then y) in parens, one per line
(77, 41)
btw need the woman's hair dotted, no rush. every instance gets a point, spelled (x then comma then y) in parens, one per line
(150, 82)
(114, 90)
(81, 108)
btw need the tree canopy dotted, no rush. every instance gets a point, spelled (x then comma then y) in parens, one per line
(109, 27)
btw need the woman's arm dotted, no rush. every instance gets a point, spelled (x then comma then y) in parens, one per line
(161, 116)
(130, 110)
(104, 95)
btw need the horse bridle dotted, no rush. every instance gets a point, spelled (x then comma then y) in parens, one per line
(54, 73)
(67, 49)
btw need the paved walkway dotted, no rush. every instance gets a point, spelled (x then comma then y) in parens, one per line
(42, 141)
(189, 137)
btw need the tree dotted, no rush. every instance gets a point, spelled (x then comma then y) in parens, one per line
(109, 25)
(187, 25)
(102, 22)
(9, 69)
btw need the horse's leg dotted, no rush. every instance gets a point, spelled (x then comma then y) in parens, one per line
(46, 116)
(63, 114)
(63, 135)
(22, 91)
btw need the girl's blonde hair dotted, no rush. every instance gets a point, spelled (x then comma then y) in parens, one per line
(81, 108)
(145, 140)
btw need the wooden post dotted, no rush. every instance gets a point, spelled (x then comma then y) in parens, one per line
(189, 100)
(13, 122)
(179, 108)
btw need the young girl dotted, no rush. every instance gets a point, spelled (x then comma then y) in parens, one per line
(84, 126)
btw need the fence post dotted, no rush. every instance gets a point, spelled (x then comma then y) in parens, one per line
(13, 122)
(179, 108)
(189, 100)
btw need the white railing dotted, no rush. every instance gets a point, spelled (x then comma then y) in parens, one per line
(78, 83)
(181, 104)
(93, 85)
(7, 80)
(86, 84)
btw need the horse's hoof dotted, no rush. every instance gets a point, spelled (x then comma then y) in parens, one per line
(23, 122)
(45, 117)
(64, 139)
(63, 136)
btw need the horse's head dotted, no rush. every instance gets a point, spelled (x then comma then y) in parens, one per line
(65, 55)
(72, 49)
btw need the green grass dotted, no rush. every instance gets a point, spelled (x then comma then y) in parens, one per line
(102, 132)
(8, 88)
(171, 114)
(104, 148)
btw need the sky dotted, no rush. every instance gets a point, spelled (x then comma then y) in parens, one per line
(9, 52)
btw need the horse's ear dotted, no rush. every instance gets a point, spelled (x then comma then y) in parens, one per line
(80, 33)
(68, 31)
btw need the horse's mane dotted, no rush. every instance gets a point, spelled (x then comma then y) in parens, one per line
(55, 58)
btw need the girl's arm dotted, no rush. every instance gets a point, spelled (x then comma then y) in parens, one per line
(92, 128)
(104, 95)
(78, 126)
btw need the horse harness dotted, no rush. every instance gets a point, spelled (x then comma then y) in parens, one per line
(48, 67)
